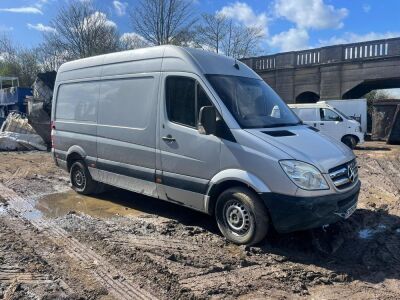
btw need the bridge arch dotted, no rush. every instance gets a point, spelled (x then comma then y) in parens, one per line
(307, 97)
(367, 86)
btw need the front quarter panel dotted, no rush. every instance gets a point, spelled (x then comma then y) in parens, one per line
(258, 158)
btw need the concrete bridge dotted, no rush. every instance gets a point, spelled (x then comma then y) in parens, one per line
(334, 72)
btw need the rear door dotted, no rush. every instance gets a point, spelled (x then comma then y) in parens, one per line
(188, 159)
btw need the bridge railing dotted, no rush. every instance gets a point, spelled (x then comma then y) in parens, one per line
(326, 55)
(310, 57)
(367, 50)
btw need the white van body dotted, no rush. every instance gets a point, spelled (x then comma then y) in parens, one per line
(331, 122)
(200, 130)
(353, 108)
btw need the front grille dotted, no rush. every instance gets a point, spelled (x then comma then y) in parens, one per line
(344, 175)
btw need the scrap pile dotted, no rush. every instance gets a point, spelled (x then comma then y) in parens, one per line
(39, 106)
(17, 135)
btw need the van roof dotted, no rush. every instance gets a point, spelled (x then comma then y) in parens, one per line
(174, 58)
(310, 105)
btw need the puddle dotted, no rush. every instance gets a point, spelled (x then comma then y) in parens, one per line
(102, 206)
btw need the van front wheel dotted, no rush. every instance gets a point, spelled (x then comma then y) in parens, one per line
(81, 180)
(241, 216)
(349, 141)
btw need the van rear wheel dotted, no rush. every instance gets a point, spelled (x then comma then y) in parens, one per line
(81, 180)
(241, 216)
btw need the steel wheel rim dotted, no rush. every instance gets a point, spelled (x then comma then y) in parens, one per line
(237, 217)
(79, 178)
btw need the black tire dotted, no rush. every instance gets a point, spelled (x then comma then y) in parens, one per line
(81, 180)
(241, 216)
(349, 141)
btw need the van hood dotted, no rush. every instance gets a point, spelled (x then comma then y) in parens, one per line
(304, 144)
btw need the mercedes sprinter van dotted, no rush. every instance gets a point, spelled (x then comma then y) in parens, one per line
(200, 130)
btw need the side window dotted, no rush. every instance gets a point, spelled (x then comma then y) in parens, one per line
(329, 115)
(184, 99)
(306, 114)
(78, 101)
(181, 100)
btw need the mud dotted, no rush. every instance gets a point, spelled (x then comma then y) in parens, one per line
(166, 251)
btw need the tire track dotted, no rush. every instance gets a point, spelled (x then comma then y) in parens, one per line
(111, 278)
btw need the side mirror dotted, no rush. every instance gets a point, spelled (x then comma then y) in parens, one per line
(207, 120)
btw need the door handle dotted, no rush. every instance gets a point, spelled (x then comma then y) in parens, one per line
(168, 138)
(321, 124)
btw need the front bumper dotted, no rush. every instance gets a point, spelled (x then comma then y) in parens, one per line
(291, 213)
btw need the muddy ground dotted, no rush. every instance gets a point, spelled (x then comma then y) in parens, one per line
(55, 244)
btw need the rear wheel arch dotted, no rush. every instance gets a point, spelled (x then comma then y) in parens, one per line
(73, 157)
(75, 153)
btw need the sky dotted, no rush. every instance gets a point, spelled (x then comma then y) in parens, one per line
(288, 24)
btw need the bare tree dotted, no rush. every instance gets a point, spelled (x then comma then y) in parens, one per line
(163, 22)
(242, 41)
(50, 57)
(17, 61)
(212, 31)
(81, 31)
(129, 41)
(222, 35)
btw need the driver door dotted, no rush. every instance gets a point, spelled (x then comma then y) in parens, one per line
(188, 159)
(331, 123)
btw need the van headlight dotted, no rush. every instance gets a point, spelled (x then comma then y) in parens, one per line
(304, 175)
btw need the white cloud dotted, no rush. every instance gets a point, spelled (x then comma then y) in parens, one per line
(99, 16)
(41, 27)
(313, 14)
(293, 39)
(120, 7)
(351, 37)
(132, 35)
(243, 13)
(23, 10)
(366, 8)
(132, 40)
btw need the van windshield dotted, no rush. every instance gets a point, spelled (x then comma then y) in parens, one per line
(252, 102)
(342, 114)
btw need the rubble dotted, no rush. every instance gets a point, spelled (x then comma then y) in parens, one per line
(17, 135)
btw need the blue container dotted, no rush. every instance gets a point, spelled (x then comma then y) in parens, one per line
(15, 96)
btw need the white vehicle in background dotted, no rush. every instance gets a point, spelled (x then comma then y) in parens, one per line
(353, 108)
(330, 121)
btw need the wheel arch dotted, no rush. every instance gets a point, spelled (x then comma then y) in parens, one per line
(350, 135)
(75, 153)
(230, 178)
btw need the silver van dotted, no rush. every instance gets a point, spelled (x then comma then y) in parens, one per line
(200, 130)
